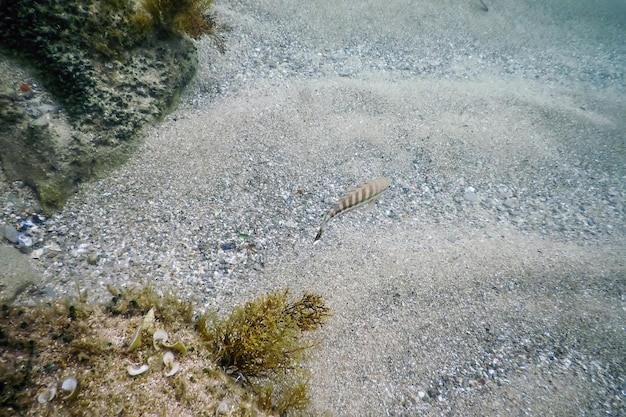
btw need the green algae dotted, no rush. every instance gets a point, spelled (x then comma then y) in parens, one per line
(263, 343)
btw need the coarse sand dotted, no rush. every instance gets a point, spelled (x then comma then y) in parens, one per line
(490, 279)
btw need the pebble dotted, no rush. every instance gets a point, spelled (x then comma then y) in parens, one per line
(470, 196)
(222, 409)
(41, 121)
(510, 203)
(9, 233)
(351, 66)
(54, 247)
(228, 246)
(24, 242)
(92, 259)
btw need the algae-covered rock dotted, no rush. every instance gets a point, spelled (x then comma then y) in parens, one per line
(16, 273)
(78, 82)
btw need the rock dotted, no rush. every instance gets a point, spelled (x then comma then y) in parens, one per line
(92, 259)
(470, 195)
(222, 408)
(351, 66)
(510, 203)
(9, 233)
(16, 273)
(24, 243)
(42, 121)
(55, 134)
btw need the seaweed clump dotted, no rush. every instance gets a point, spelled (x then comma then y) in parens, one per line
(263, 344)
(177, 16)
(71, 358)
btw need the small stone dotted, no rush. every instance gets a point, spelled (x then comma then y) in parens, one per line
(24, 243)
(227, 246)
(9, 233)
(54, 247)
(432, 392)
(470, 196)
(92, 259)
(47, 108)
(351, 67)
(344, 72)
(23, 240)
(43, 120)
(16, 273)
(291, 224)
(222, 408)
(510, 203)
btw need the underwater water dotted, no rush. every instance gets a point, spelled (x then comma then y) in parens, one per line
(489, 279)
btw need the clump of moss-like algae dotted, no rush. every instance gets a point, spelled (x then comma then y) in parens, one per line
(42, 346)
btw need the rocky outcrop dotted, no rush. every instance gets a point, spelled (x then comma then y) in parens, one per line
(72, 109)
(16, 273)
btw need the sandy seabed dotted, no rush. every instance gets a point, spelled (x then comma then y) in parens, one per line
(490, 279)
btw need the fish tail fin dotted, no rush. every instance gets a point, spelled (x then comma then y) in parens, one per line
(319, 234)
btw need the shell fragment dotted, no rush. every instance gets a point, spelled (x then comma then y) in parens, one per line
(134, 370)
(178, 347)
(171, 366)
(47, 395)
(135, 341)
(70, 387)
(159, 338)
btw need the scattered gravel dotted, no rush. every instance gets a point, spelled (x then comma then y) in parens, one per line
(488, 280)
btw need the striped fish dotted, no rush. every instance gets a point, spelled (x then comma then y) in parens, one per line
(355, 197)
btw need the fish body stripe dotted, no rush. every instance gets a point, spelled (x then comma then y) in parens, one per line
(355, 197)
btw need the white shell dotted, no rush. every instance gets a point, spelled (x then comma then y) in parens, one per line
(168, 358)
(159, 337)
(171, 365)
(135, 341)
(69, 384)
(175, 367)
(47, 395)
(70, 387)
(134, 370)
(148, 319)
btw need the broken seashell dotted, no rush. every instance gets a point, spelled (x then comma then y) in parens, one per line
(47, 394)
(171, 365)
(222, 409)
(148, 319)
(175, 367)
(168, 358)
(135, 341)
(134, 370)
(159, 338)
(70, 386)
(178, 347)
